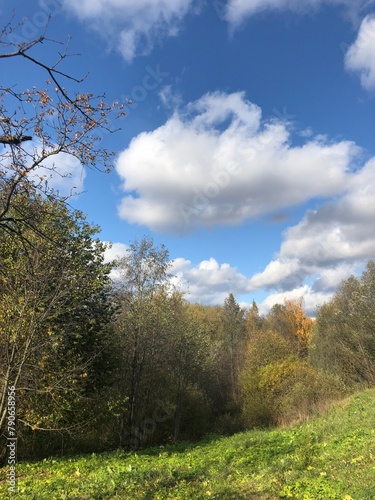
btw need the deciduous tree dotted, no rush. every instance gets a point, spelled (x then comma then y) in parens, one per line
(53, 304)
(343, 341)
(233, 346)
(301, 325)
(56, 121)
(137, 329)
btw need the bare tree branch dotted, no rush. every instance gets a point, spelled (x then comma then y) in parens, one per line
(15, 141)
(55, 119)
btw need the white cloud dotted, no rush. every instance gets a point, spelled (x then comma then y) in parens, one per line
(338, 231)
(327, 246)
(310, 300)
(360, 57)
(116, 251)
(217, 163)
(316, 294)
(276, 272)
(63, 172)
(238, 10)
(330, 278)
(209, 282)
(132, 26)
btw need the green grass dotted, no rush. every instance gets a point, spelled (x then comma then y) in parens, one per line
(329, 457)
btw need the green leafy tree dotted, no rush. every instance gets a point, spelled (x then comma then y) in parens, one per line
(253, 321)
(278, 321)
(300, 325)
(54, 293)
(343, 342)
(290, 321)
(190, 371)
(163, 353)
(232, 348)
(209, 327)
(138, 329)
(278, 386)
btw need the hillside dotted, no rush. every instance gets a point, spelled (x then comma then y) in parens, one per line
(329, 457)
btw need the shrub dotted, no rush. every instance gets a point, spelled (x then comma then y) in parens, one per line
(286, 391)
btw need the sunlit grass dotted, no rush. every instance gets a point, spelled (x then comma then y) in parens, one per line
(330, 457)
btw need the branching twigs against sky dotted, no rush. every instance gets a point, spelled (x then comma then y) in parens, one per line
(38, 124)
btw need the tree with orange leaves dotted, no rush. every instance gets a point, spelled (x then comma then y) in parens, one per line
(300, 324)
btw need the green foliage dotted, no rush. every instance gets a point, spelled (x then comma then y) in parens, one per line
(161, 356)
(160, 369)
(330, 457)
(231, 350)
(305, 391)
(291, 323)
(54, 302)
(257, 405)
(144, 269)
(138, 334)
(279, 387)
(253, 321)
(266, 348)
(278, 321)
(343, 342)
(195, 413)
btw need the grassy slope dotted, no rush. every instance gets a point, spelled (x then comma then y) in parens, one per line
(330, 457)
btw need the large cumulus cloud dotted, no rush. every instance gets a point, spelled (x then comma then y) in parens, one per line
(216, 162)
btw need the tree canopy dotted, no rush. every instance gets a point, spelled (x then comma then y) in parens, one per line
(54, 301)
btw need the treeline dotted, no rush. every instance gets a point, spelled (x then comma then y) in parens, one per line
(98, 366)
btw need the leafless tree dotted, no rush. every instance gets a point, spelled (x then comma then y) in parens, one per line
(38, 124)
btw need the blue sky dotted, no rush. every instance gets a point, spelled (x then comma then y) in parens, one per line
(249, 147)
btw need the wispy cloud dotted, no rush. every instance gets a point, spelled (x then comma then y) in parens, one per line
(132, 27)
(360, 57)
(237, 11)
